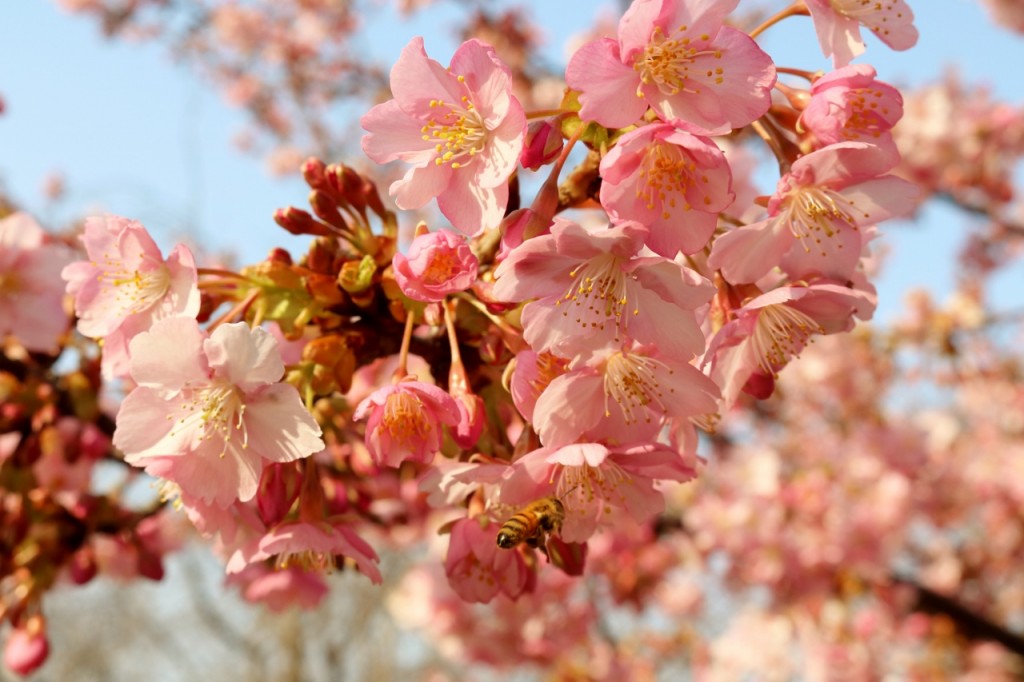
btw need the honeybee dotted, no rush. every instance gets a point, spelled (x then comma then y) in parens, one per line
(532, 523)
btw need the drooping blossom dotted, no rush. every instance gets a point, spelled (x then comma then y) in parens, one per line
(767, 332)
(312, 546)
(677, 57)
(460, 128)
(214, 402)
(671, 181)
(280, 588)
(477, 569)
(438, 264)
(590, 479)
(594, 290)
(850, 105)
(126, 286)
(621, 395)
(31, 298)
(818, 216)
(404, 421)
(838, 22)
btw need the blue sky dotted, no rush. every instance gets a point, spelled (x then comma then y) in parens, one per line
(135, 134)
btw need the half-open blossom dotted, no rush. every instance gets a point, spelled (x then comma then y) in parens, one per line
(126, 286)
(838, 23)
(818, 216)
(770, 330)
(594, 290)
(438, 264)
(672, 182)
(477, 569)
(621, 395)
(460, 128)
(590, 479)
(31, 298)
(850, 105)
(677, 57)
(404, 421)
(214, 401)
(311, 546)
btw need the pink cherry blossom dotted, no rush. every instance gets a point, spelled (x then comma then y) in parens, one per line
(212, 401)
(531, 375)
(770, 330)
(25, 650)
(438, 264)
(850, 105)
(595, 291)
(313, 546)
(838, 23)
(623, 395)
(818, 216)
(31, 298)
(591, 478)
(404, 421)
(477, 569)
(679, 58)
(126, 286)
(282, 588)
(460, 128)
(672, 182)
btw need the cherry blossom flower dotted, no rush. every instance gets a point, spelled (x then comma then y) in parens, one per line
(770, 330)
(677, 57)
(850, 105)
(838, 23)
(672, 182)
(622, 395)
(818, 216)
(438, 264)
(460, 128)
(26, 649)
(31, 298)
(531, 375)
(590, 479)
(477, 569)
(282, 588)
(312, 546)
(404, 421)
(212, 401)
(595, 291)
(126, 286)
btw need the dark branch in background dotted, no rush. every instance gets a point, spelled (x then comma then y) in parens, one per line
(1011, 227)
(971, 625)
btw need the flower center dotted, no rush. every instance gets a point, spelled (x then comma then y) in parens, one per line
(405, 420)
(865, 116)
(666, 172)
(588, 483)
(457, 130)
(216, 411)
(781, 332)
(599, 292)
(134, 290)
(815, 213)
(667, 59)
(632, 382)
(443, 265)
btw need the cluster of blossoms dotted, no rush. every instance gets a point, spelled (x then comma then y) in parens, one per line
(522, 361)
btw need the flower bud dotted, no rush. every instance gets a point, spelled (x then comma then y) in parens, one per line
(438, 264)
(543, 144)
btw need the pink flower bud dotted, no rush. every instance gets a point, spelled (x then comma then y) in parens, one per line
(25, 651)
(543, 144)
(438, 264)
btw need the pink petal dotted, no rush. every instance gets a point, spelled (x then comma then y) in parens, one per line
(607, 86)
(279, 427)
(247, 358)
(169, 355)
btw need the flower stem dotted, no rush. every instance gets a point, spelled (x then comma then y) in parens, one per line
(797, 8)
